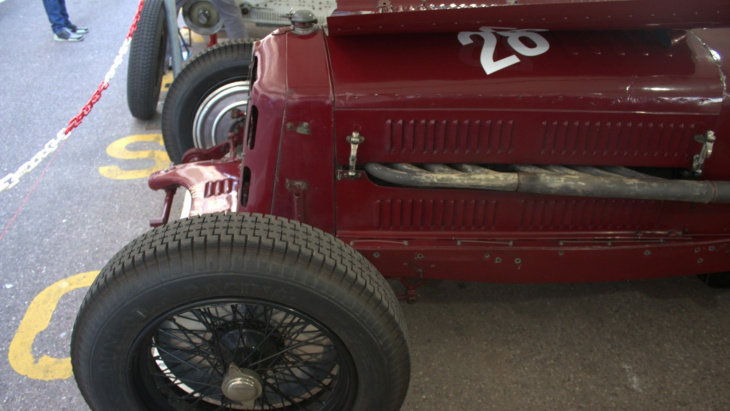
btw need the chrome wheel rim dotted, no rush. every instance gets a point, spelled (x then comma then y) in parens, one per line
(213, 120)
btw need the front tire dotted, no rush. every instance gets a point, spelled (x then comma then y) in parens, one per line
(240, 312)
(198, 107)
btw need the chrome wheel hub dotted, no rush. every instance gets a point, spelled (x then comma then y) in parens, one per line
(213, 119)
(241, 385)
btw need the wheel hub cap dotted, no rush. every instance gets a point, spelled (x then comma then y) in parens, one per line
(241, 385)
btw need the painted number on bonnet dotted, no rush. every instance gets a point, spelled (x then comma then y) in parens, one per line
(514, 40)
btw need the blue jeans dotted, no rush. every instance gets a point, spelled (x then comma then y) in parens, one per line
(57, 14)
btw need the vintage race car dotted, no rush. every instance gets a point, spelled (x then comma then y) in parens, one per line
(530, 141)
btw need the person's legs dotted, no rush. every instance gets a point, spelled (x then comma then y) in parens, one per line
(232, 18)
(67, 23)
(64, 13)
(55, 16)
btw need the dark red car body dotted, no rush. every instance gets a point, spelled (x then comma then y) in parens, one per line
(588, 84)
(516, 141)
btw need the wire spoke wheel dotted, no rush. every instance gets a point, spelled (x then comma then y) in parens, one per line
(242, 354)
(240, 312)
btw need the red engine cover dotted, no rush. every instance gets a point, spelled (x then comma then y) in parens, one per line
(492, 96)
(496, 96)
(526, 96)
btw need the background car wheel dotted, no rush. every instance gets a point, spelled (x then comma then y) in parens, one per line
(198, 107)
(147, 60)
(240, 312)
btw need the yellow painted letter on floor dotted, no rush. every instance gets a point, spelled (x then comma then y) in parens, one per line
(37, 319)
(118, 149)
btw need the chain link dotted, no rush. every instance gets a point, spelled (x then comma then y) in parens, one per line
(133, 26)
(12, 179)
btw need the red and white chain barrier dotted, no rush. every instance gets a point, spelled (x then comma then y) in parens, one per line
(12, 179)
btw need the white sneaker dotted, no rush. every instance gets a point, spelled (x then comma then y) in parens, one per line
(77, 30)
(66, 35)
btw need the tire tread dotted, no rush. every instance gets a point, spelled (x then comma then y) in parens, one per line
(143, 70)
(341, 271)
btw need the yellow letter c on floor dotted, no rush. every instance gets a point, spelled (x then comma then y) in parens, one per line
(36, 319)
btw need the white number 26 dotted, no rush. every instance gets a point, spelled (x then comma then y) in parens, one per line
(514, 40)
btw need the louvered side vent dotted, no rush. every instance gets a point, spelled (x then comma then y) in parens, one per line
(395, 214)
(449, 136)
(586, 214)
(219, 187)
(617, 139)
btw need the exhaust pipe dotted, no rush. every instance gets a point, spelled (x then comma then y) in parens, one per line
(578, 181)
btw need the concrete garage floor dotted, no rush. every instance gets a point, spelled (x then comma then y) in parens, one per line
(652, 344)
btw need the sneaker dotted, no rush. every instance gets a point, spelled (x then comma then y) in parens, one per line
(77, 30)
(65, 35)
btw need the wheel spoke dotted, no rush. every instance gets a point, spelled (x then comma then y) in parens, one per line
(265, 399)
(285, 350)
(296, 360)
(278, 391)
(296, 380)
(258, 346)
(239, 326)
(194, 349)
(186, 380)
(201, 394)
(327, 374)
(202, 316)
(180, 361)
